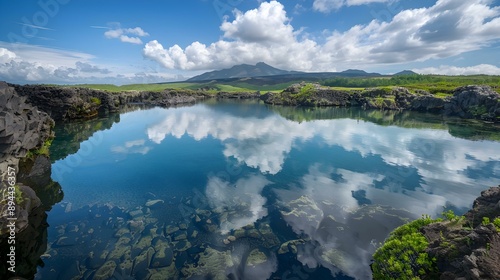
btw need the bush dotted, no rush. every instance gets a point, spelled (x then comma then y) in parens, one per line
(95, 100)
(496, 222)
(403, 254)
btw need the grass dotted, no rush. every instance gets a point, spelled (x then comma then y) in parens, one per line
(95, 100)
(442, 95)
(43, 150)
(439, 86)
(132, 87)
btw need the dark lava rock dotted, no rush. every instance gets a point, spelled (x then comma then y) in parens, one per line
(427, 103)
(238, 95)
(487, 205)
(468, 253)
(474, 102)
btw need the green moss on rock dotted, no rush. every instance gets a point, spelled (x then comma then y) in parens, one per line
(403, 254)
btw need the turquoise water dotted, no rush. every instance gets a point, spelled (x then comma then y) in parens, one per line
(233, 182)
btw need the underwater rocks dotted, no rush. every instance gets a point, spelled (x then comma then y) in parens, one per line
(211, 262)
(133, 244)
(105, 271)
(154, 203)
(256, 257)
(335, 237)
(304, 215)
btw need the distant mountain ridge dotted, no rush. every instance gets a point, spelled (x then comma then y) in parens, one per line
(405, 72)
(264, 70)
(260, 69)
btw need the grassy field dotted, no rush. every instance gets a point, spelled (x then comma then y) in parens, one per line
(435, 84)
(440, 86)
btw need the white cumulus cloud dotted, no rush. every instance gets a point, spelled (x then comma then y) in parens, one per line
(6, 55)
(122, 34)
(262, 34)
(486, 69)
(326, 6)
(446, 29)
(21, 63)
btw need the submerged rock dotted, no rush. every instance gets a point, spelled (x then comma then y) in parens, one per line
(290, 246)
(183, 245)
(154, 203)
(171, 229)
(211, 262)
(256, 257)
(163, 273)
(163, 257)
(136, 213)
(105, 271)
(141, 262)
(300, 210)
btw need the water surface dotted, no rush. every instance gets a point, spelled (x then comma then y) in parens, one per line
(244, 190)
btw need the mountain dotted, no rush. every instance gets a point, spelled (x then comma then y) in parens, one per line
(242, 71)
(356, 73)
(405, 72)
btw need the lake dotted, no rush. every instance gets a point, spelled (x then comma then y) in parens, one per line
(243, 190)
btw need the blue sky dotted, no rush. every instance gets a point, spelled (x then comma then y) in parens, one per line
(121, 42)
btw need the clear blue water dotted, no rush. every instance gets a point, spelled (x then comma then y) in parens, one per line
(334, 181)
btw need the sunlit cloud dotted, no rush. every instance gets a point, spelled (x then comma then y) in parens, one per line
(267, 34)
(485, 69)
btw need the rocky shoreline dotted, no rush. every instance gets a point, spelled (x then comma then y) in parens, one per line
(468, 247)
(472, 102)
(455, 247)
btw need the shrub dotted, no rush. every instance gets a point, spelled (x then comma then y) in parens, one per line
(18, 195)
(95, 100)
(486, 221)
(496, 222)
(403, 254)
(43, 150)
(452, 217)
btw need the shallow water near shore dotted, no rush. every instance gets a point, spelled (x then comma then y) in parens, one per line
(241, 190)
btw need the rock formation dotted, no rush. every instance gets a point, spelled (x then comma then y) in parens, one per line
(24, 134)
(64, 103)
(479, 102)
(22, 127)
(474, 102)
(469, 249)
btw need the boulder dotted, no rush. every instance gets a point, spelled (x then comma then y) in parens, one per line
(105, 271)
(471, 251)
(163, 257)
(474, 102)
(427, 103)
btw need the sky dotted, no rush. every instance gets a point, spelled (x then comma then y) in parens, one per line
(124, 42)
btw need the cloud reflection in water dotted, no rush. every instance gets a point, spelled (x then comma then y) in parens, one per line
(241, 203)
(326, 206)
